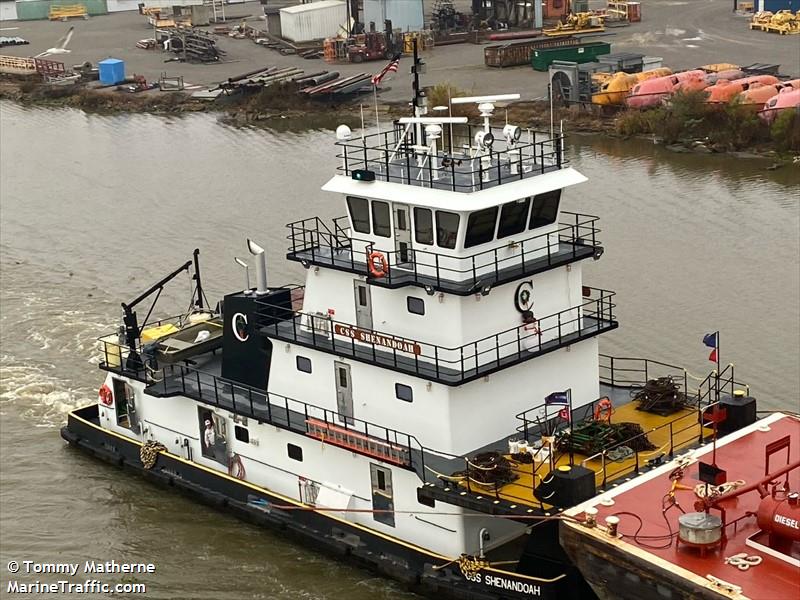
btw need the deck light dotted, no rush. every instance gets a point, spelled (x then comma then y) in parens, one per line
(484, 140)
(363, 175)
(512, 133)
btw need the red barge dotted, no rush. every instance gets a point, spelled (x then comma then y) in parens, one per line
(673, 534)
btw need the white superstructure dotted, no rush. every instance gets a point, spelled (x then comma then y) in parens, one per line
(447, 301)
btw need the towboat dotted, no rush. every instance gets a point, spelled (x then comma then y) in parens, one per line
(786, 99)
(653, 91)
(757, 95)
(726, 90)
(432, 402)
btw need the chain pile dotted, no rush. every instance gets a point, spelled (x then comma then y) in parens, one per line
(661, 396)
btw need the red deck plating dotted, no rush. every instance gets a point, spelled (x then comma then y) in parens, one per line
(743, 459)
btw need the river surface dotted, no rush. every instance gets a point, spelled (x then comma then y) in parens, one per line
(96, 208)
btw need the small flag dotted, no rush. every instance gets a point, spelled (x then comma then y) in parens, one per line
(390, 68)
(713, 356)
(557, 398)
(711, 340)
(564, 414)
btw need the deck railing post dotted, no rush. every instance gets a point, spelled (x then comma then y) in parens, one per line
(612, 371)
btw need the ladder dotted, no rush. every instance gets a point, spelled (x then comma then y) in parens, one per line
(217, 10)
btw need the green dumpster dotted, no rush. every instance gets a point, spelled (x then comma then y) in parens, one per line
(541, 58)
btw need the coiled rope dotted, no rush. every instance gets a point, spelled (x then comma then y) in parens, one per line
(149, 451)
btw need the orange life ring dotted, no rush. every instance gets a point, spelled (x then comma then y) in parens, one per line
(377, 264)
(106, 395)
(603, 410)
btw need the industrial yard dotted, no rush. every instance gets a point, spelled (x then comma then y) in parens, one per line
(677, 34)
(683, 33)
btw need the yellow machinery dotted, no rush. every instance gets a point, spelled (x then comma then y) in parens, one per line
(584, 22)
(63, 12)
(782, 22)
(718, 67)
(615, 89)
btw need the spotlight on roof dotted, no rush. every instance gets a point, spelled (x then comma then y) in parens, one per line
(512, 133)
(484, 140)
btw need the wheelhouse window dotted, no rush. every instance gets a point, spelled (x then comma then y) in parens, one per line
(513, 217)
(545, 209)
(423, 226)
(480, 227)
(446, 229)
(381, 222)
(359, 213)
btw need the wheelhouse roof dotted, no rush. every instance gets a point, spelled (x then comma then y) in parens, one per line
(450, 200)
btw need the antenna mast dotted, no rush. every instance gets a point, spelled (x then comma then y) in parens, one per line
(420, 102)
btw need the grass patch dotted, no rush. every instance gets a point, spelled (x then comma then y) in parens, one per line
(731, 126)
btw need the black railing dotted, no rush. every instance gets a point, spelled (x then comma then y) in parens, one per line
(636, 372)
(450, 365)
(573, 238)
(275, 409)
(458, 165)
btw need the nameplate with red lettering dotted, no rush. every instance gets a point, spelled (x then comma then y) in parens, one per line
(369, 337)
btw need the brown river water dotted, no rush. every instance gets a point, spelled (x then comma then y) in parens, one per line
(96, 208)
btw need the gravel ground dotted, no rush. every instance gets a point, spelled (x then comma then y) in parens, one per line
(686, 33)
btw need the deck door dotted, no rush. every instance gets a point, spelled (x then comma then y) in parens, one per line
(363, 304)
(382, 494)
(344, 392)
(402, 235)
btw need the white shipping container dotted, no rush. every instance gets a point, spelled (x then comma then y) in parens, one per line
(404, 14)
(314, 21)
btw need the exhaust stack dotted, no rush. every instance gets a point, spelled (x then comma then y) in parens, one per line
(261, 266)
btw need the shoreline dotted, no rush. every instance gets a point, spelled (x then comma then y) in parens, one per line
(281, 104)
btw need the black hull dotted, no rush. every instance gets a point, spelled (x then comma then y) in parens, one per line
(406, 563)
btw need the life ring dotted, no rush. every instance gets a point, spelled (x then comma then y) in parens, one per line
(106, 395)
(235, 467)
(378, 266)
(603, 410)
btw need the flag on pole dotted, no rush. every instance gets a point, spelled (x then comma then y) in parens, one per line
(557, 398)
(712, 341)
(390, 68)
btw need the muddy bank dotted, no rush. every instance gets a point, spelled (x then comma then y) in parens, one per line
(689, 128)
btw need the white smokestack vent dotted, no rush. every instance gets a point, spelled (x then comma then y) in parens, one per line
(261, 266)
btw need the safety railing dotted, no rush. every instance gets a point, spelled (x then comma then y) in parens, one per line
(627, 372)
(449, 365)
(324, 424)
(457, 166)
(575, 236)
(684, 430)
